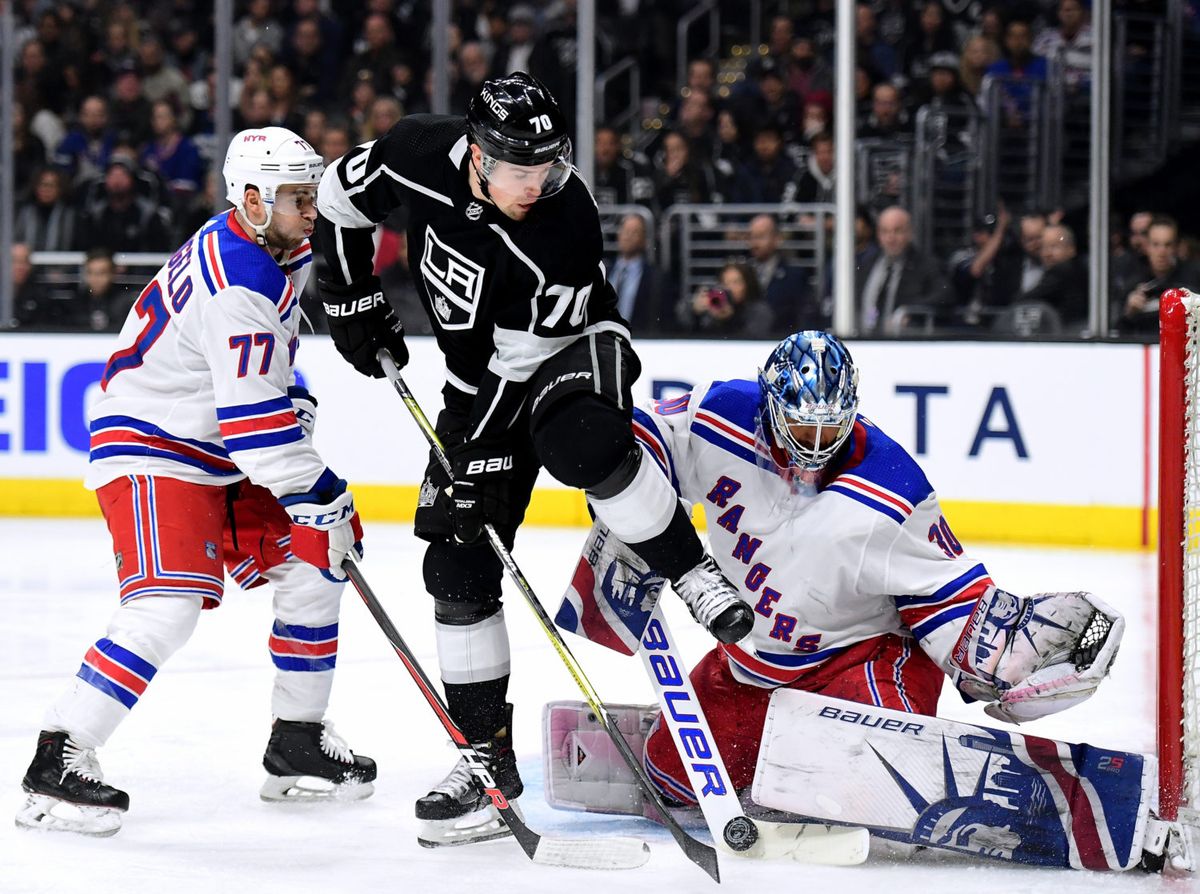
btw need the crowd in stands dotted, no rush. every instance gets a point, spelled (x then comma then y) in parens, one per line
(114, 140)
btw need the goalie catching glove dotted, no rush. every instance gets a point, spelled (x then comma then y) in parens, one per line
(1036, 655)
(362, 322)
(325, 524)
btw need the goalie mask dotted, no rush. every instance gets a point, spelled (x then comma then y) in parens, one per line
(268, 158)
(521, 132)
(809, 397)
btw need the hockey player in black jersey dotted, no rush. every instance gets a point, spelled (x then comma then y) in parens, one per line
(506, 244)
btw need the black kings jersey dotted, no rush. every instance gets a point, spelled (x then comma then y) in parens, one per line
(502, 295)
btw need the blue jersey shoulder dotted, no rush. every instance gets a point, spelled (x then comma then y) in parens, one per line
(880, 473)
(727, 417)
(239, 261)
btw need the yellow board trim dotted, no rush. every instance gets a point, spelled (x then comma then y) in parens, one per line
(1110, 527)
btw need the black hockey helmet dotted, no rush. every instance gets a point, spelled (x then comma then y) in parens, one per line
(515, 119)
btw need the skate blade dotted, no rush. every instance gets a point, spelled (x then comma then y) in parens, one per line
(44, 813)
(481, 825)
(310, 789)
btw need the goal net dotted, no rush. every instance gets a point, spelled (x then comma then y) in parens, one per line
(1179, 553)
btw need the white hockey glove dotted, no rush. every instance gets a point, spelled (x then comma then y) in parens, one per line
(305, 407)
(325, 525)
(1036, 655)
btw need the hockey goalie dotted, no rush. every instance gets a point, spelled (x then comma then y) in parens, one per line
(864, 602)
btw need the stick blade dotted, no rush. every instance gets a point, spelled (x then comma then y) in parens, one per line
(592, 853)
(809, 843)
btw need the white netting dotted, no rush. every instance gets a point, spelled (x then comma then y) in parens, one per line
(1191, 557)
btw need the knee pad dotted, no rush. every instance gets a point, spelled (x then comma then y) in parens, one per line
(582, 440)
(154, 627)
(464, 582)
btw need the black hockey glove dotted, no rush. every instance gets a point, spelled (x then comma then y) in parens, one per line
(361, 322)
(483, 471)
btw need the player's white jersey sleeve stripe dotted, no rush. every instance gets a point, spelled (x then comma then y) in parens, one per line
(334, 202)
(458, 383)
(948, 592)
(941, 618)
(411, 184)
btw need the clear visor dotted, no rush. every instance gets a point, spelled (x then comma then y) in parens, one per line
(295, 201)
(528, 182)
(810, 438)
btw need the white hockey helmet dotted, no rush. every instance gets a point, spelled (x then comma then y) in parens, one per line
(268, 158)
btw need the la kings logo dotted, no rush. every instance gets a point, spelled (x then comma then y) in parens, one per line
(428, 493)
(454, 282)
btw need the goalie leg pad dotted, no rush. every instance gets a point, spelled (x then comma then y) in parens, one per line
(952, 785)
(583, 769)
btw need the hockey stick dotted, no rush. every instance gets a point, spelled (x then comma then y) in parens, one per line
(594, 853)
(701, 759)
(698, 852)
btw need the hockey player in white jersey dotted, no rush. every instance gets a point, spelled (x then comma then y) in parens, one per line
(202, 460)
(862, 594)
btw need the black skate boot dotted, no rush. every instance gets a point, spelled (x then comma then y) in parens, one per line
(309, 761)
(714, 601)
(456, 812)
(67, 791)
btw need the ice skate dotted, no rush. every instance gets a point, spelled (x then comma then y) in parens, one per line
(67, 791)
(456, 812)
(714, 601)
(310, 762)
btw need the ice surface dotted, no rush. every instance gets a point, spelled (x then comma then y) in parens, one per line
(190, 753)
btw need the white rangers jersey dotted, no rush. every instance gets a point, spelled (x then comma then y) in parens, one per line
(198, 389)
(863, 552)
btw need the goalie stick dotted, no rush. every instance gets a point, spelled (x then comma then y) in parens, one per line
(698, 852)
(597, 853)
(739, 834)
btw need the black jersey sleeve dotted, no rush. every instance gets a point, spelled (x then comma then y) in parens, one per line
(370, 181)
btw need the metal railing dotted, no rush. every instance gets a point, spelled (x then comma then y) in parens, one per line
(697, 240)
(945, 177)
(709, 9)
(883, 172)
(1022, 140)
(1142, 62)
(629, 116)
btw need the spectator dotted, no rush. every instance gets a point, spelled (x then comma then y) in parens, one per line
(315, 122)
(121, 220)
(385, 112)
(281, 85)
(29, 152)
(680, 178)
(374, 63)
(784, 287)
(769, 176)
(974, 271)
(473, 67)
(944, 93)
(1132, 266)
(888, 120)
(643, 297)
(695, 123)
(31, 306)
(730, 151)
(129, 110)
(555, 57)
(256, 28)
(335, 143)
(875, 55)
(1070, 44)
(115, 54)
(768, 100)
(1023, 270)
(47, 222)
(978, 55)
(1140, 312)
(254, 109)
(1020, 71)
(514, 50)
(173, 156)
(807, 71)
(306, 56)
(84, 152)
(38, 84)
(186, 53)
(733, 307)
(818, 114)
(1064, 286)
(816, 183)
(901, 280)
(99, 304)
(702, 79)
(780, 35)
(161, 80)
(618, 180)
(934, 36)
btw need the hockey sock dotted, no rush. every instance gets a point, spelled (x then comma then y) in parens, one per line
(675, 551)
(478, 708)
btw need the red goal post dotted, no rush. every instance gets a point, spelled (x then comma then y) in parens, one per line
(1179, 553)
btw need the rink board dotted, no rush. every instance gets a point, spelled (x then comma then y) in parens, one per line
(1033, 443)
